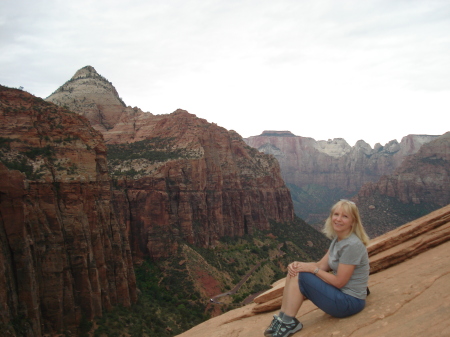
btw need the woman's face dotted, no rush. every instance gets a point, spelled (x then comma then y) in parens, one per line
(342, 222)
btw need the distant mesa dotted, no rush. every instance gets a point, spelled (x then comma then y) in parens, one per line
(273, 133)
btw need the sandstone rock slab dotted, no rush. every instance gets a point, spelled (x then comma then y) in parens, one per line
(410, 292)
(409, 299)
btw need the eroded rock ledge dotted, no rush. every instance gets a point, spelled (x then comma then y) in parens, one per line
(410, 290)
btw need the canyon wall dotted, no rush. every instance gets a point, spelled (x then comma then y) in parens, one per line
(64, 256)
(418, 186)
(421, 178)
(221, 188)
(319, 173)
(178, 177)
(334, 163)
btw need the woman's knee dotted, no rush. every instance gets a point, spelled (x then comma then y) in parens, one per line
(290, 278)
(306, 278)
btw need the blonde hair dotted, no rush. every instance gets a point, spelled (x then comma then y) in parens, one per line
(357, 227)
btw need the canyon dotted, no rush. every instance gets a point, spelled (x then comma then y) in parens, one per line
(214, 185)
(334, 163)
(421, 184)
(393, 184)
(74, 223)
(91, 188)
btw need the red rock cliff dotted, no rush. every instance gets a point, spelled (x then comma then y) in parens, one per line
(213, 185)
(421, 178)
(334, 163)
(221, 188)
(320, 172)
(63, 253)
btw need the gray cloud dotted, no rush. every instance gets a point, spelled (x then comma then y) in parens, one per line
(245, 59)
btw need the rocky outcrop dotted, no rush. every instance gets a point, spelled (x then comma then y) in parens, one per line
(221, 187)
(409, 283)
(419, 185)
(96, 98)
(320, 172)
(421, 178)
(334, 163)
(63, 254)
(186, 179)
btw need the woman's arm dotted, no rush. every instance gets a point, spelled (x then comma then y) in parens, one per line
(338, 280)
(293, 268)
(323, 263)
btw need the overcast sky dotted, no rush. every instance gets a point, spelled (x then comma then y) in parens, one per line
(375, 70)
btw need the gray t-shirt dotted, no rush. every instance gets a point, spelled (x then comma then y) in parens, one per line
(351, 251)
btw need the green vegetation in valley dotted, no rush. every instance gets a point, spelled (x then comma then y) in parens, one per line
(389, 213)
(46, 151)
(5, 143)
(120, 156)
(168, 304)
(274, 249)
(313, 202)
(169, 301)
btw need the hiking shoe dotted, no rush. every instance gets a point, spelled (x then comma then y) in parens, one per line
(273, 326)
(286, 329)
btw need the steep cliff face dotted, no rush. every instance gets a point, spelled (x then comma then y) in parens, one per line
(334, 163)
(320, 172)
(420, 184)
(179, 177)
(217, 186)
(423, 177)
(63, 254)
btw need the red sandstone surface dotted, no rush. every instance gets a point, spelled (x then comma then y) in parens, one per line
(62, 252)
(68, 239)
(409, 293)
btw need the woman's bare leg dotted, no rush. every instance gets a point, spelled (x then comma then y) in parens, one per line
(292, 297)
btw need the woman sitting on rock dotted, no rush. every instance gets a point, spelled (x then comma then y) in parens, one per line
(337, 284)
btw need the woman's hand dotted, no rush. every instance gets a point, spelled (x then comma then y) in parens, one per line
(300, 267)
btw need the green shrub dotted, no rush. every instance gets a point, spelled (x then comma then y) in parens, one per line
(22, 166)
(46, 151)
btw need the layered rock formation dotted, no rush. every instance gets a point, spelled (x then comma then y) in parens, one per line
(94, 97)
(320, 172)
(187, 179)
(420, 184)
(334, 163)
(421, 178)
(409, 283)
(63, 254)
(97, 99)
(221, 188)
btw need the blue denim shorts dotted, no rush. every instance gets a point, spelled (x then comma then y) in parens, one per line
(329, 298)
